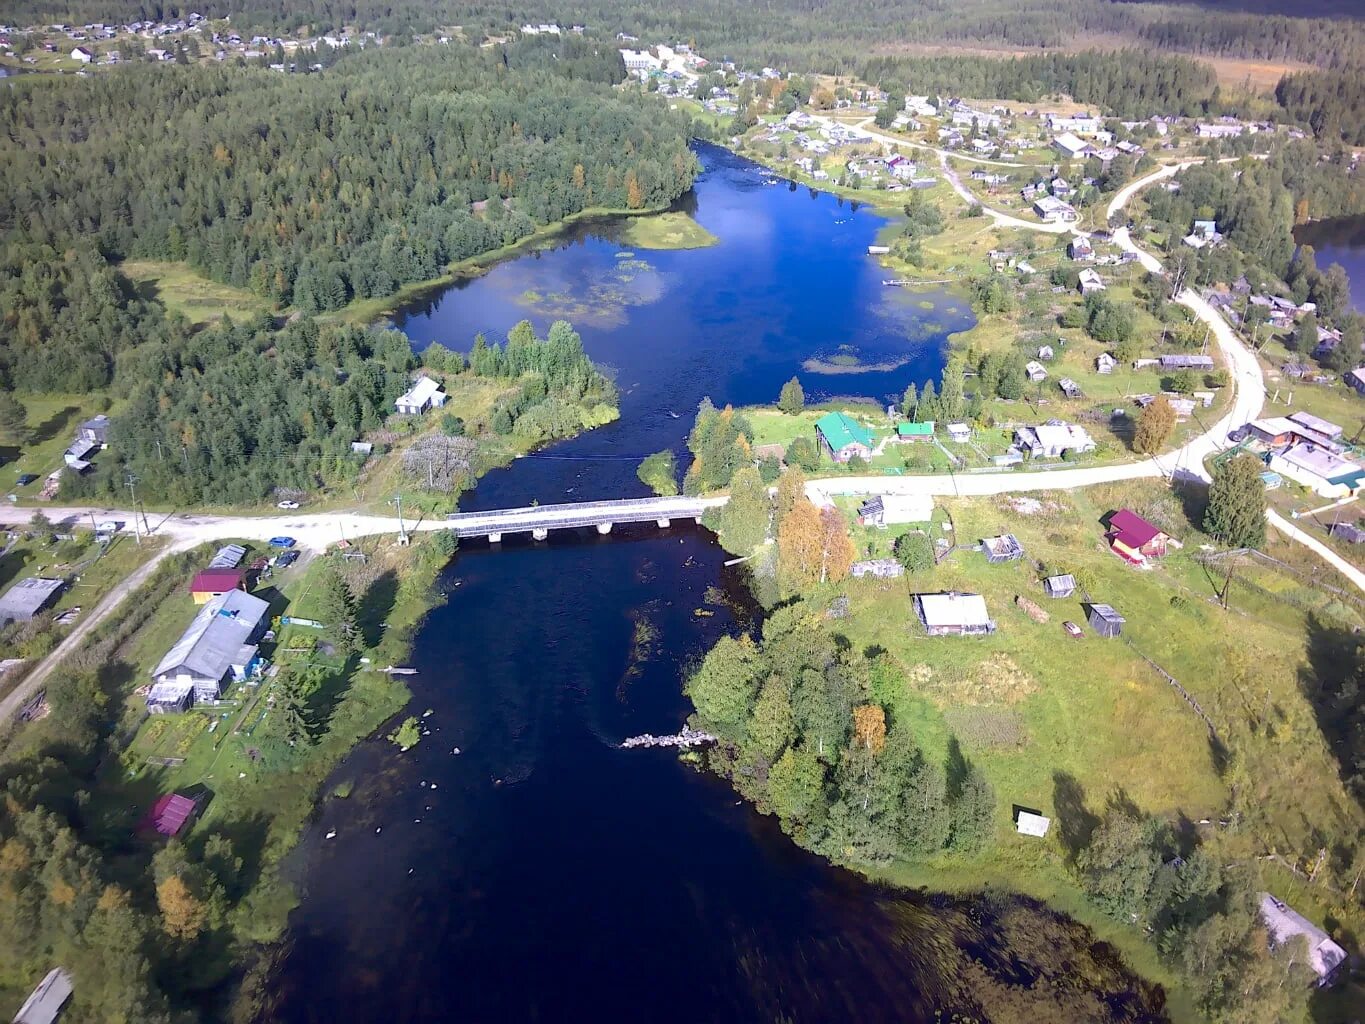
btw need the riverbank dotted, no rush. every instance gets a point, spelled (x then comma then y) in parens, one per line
(367, 312)
(1081, 747)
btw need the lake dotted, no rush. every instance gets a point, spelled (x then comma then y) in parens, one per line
(1339, 241)
(541, 873)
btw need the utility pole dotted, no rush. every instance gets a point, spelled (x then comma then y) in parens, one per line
(402, 530)
(132, 494)
(159, 457)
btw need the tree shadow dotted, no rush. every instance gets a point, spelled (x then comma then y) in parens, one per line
(1076, 823)
(1330, 679)
(375, 607)
(53, 425)
(1194, 499)
(955, 767)
(247, 835)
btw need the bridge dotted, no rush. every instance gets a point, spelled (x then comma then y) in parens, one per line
(539, 520)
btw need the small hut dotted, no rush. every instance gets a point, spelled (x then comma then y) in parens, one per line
(1105, 621)
(1059, 586)
(1030, 824)
(1005, 548)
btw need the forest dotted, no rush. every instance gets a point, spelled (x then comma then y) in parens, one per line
(379, 172)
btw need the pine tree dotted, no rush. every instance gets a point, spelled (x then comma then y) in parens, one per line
(337, 607)
(1236, 511)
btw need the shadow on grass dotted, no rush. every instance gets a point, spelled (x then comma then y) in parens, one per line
(375, 607)
(51, 426)
(1076, 823)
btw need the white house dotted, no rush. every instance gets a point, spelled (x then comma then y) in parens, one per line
(424, 394)
(1053, 439)
(82, 55)
(1319, 469)
(1052, 209)
(641, 60)
(1072, 147)
(1031, 824)
(1081, 124)
(954, 614)
(1090, 281)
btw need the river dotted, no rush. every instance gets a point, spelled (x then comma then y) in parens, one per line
(1339, 241)
(543, 874)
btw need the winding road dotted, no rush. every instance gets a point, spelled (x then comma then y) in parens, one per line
(316, 532)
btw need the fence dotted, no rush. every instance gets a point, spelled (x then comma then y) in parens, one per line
(1208, 722)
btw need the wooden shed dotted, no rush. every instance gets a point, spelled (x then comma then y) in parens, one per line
(1060, 586)
(1105, 621)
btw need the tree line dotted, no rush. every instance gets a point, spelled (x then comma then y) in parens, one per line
(378, 172)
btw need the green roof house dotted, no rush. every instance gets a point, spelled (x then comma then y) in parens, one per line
(915, 431)
(843, 437)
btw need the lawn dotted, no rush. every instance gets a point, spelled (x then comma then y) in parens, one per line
(671, 230)
(182, 290)
(52, 421)
(1063, 726)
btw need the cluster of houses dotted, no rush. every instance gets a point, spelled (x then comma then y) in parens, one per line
(843, 438)
(168, 36)
(221, 644)
(1308, 450)
(91, 436)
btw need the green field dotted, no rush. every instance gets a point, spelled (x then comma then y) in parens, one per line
(1064, 726)
(182, 290)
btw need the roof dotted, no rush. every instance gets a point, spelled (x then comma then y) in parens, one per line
(423, 390)
(1132, 529)
(1316, 423)
(1063, 582)
(839, 430)
(908, 508)
(1190, 362)
(27, 598)
(216, 580)
(1274, 425)
(1319, 461)
(46, 1001)
(1031, 824)
(916, 429)
(1070, 142)
(953, 609)
(228, 556)
(207, 648)
(169, 814)
(1107, 613)
(1284, 923)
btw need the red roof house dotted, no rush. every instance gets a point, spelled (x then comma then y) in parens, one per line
(211, 583)
(169, 814)
(1134, 539)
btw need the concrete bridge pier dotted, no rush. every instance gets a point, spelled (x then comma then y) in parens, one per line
(664, 523)
(604, 528)
(495, 538)
(540, 533)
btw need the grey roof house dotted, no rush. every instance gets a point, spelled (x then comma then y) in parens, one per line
(44, 1004)
(1060, 586)
(27, 598)
(219, 643)
(1105, 621)
(1284, 923)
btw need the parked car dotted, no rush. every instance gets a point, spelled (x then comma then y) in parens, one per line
(1073, 630)
(27, 478)
(286, 559)
(288, 504)
(282, 542)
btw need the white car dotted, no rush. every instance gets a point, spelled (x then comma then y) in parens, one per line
(288, 504)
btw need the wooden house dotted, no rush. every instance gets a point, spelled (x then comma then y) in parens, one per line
(843, 437)
(953, 614)
(1004, 548)
(1060, 586)
(1105, 621)
(1134, 539)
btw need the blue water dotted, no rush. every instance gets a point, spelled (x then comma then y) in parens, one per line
(1339, 241)
(789, 281)
(543, 874)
